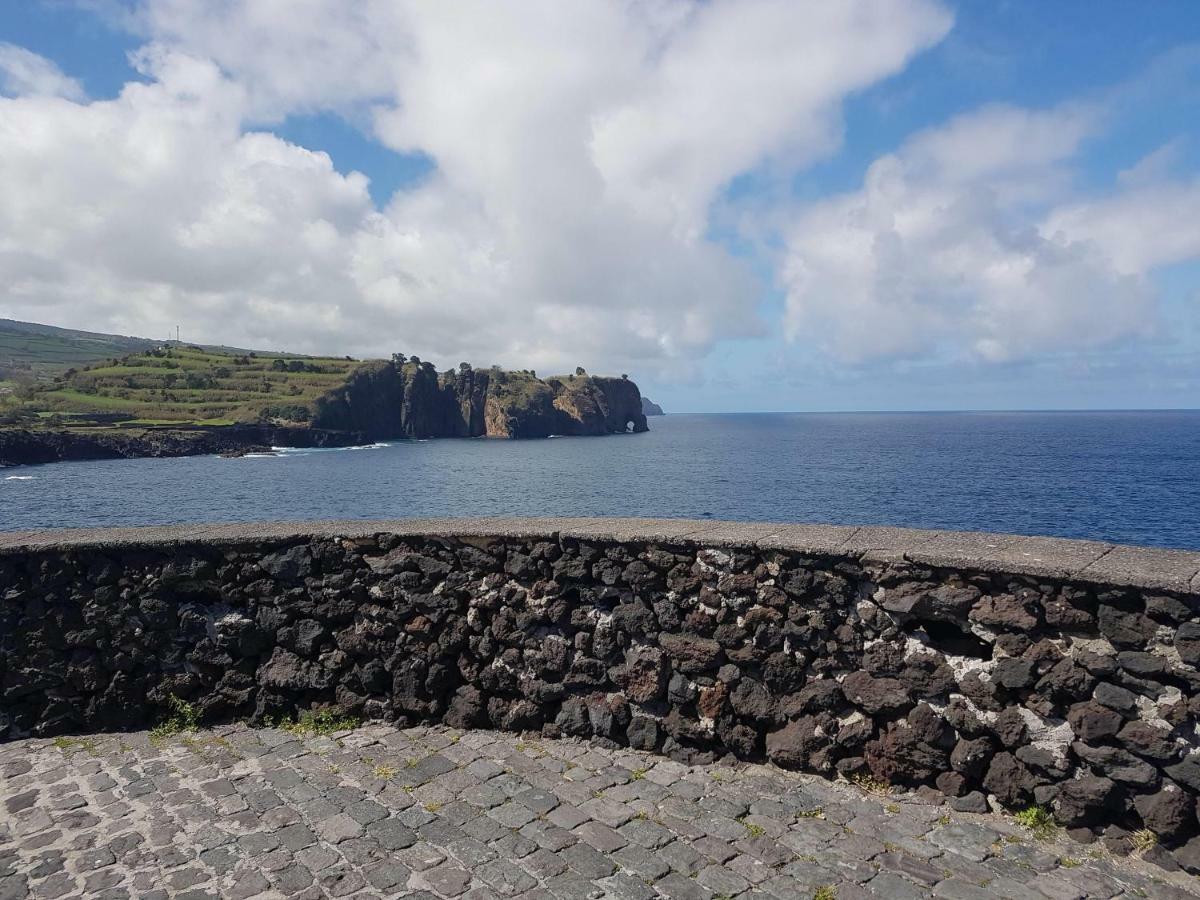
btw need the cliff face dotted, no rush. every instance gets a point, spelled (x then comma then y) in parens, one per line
(410, 399)
(371, 402)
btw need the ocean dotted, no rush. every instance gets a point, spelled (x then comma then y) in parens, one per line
(1129, 477)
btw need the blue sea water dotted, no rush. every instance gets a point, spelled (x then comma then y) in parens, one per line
(1131, 477)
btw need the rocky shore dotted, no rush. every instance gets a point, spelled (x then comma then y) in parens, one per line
(27, 446)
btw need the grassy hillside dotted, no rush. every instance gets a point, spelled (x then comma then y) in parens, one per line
(39, 352)
(183, 385)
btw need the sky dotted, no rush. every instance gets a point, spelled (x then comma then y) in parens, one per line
(746, 205)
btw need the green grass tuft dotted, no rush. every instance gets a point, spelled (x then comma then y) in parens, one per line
(184, 717)
(321, 723)
(1037, 819)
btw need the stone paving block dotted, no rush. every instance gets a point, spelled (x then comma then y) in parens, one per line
(625, 887)
(543, 864)
(600, 836)
(679, 887)
(513, 846)
(567, 816)
(293, 879)
(511, 814)
(538, 802)
(448, 881)
(721, 881)
(505, 877)
(548, 836)
(641, 862)
(571, 886)
(767, 849)
(753, 870)
(682, 857)
(587, 862)
(972, 841)
(957, 889)
(896, 887)
(312, 832)
(421, 856)
(645, 833)
(610, 812)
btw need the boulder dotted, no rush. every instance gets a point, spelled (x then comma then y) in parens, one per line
(1187, 642)
(285, 671)
(914, 751)
(1086, 801)
(1125, 628)
(1003, 611)
(1009, 780)
(971, 757)
(643, 677)
(1147, 741)
(1114, 697)
(1117, 764)
(1090, 721)
(875, 695)
(795, 745)
(691, 654)
(752, 700)
(1170, 813)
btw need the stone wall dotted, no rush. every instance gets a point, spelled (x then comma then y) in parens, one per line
(992, 669)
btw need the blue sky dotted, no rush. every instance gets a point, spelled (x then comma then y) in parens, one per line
(969, 205)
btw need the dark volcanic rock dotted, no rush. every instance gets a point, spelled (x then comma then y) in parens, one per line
(1090, 721)
(875, 694)
(954, 679)
(1170, 813)
(1086, 801)
(691, 654)
(1009, 780)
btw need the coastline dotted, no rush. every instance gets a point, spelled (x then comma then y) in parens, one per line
(23, 447)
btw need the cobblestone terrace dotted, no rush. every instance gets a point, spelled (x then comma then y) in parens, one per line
(430, 812)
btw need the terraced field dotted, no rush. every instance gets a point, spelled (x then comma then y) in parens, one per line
(185, 385)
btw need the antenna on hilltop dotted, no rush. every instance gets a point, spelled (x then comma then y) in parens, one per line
(177, 334)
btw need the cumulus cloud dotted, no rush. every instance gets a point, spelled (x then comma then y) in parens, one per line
(1150, 223)
(25, 73)
(962, 245)
(578, 148)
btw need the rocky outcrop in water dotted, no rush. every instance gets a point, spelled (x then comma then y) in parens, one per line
(650, 408)
(408, 398)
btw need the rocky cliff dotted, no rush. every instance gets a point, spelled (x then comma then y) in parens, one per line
(379, 400)
(408, 398)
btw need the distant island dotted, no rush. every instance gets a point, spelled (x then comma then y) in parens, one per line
(175, 399)
(650, 408)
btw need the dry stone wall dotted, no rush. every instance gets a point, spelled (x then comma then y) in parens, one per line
(993, 670)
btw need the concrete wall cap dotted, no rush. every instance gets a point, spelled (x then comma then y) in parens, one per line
(1084, 561)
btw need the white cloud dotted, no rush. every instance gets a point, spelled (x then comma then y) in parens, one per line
(25, 73)
(1153, 222)
(579, 147)
(942, 251)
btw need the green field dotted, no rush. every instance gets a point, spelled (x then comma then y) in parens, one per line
(180, 385)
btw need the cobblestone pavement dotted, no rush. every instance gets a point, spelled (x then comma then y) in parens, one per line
(429, 812)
